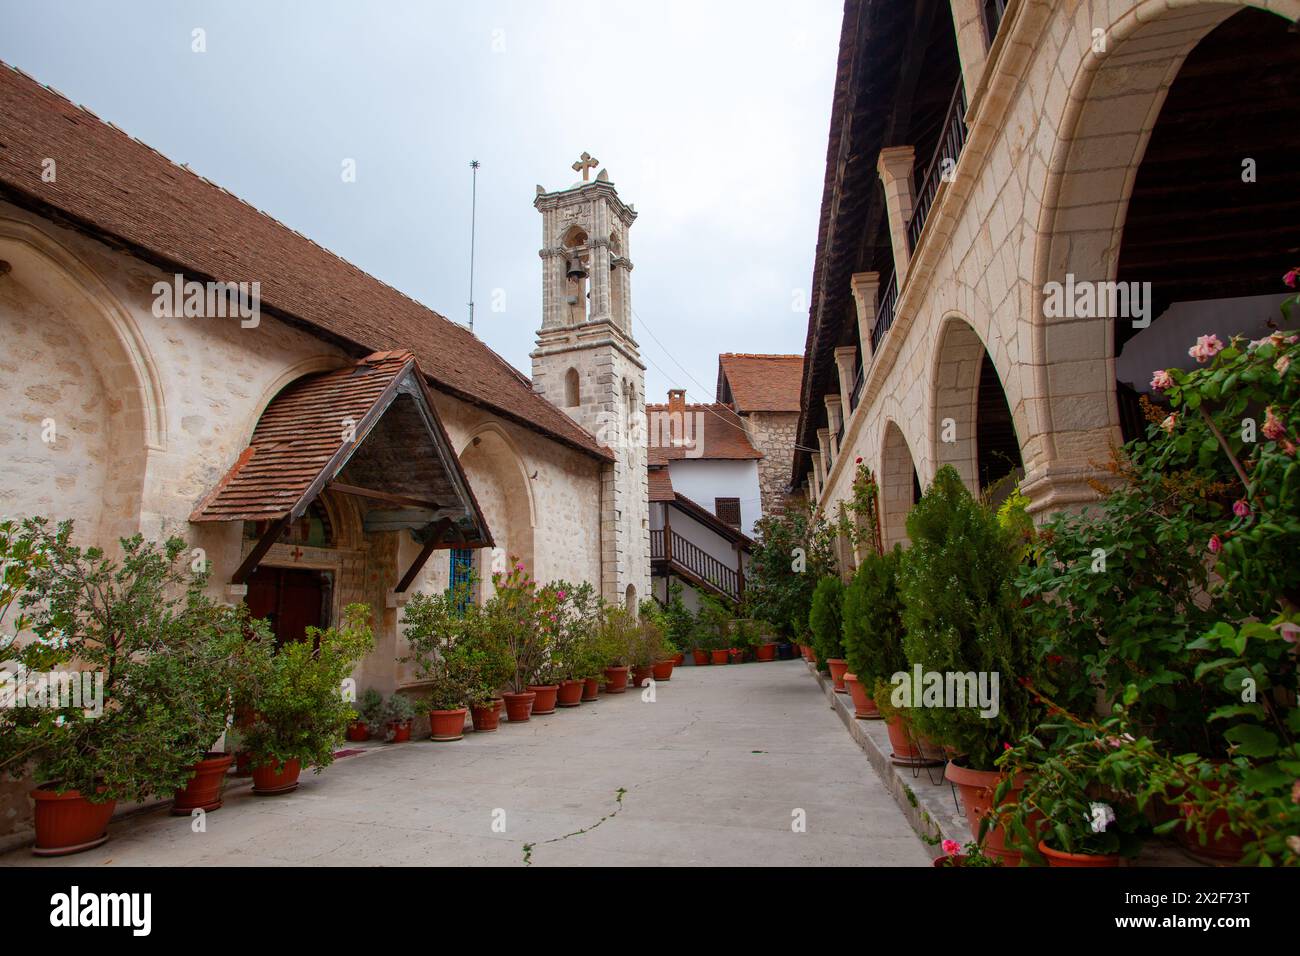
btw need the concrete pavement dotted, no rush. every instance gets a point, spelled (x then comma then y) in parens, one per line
(711, 773)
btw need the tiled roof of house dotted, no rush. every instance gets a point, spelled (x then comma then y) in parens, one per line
(299, 446)
(692, 431)
(760, 383)
(661, 484)
(129, 195)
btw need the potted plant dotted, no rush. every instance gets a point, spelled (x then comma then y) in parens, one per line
(369, 708)
(515, 613)
(149, 660)
(873, 629)
(293, 692)
(436, 629)
(825, 619)
(397, 716)
(618, 636)
(962, 615)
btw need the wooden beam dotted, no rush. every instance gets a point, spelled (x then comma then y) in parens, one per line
(259, 551)
(430, 546)
(383, 496)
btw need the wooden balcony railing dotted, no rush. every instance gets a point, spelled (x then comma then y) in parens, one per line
(695, 564)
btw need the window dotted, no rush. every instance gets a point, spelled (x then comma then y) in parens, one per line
(571, 395)
(727, 510)
(462, 574)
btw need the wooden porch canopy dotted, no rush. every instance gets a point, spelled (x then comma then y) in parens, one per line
(369, 430)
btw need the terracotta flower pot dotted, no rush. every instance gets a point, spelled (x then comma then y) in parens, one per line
(765, 652)
(486, 717)
(546, 696)
(679, 659)
(641, 673)
(68, 822)
(616, 679)
(956, 859)
(864, 708)
(446, 725)
(590, 689)
(1222, 847)
(699, 657)
(243, 763)
(839, 667)
(901, 740)
(519, 707)
(976, 788)
(803, 651)
(500, 703)
(203, 792)
(663, 671)
(274, 777)
(812, 657)
(1061, 858)
(737, 655)
(399, 731)
(570, 694)
(358, 731)
(720, 657)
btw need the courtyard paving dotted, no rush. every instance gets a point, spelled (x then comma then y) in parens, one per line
(711, 773)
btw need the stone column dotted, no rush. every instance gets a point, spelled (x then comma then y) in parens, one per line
(845, 364)
(895, 169)
(824, 443)
(835, 416)
(866, 288)
(972, 44)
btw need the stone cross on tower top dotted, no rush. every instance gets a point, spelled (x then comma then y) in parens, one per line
(585, 164)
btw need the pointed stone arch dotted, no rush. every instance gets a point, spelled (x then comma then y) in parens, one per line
(499, 475)
(126, 388)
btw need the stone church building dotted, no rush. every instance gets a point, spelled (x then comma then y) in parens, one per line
(1029, 206)
(322, 438)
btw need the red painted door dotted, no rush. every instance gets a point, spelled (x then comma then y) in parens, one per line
(291, 599)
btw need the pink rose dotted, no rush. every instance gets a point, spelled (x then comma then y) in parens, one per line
(1240, 508)
(519, 567)
(1273, 428)
(1215, 544)
(1290, 277)
(1282, 364)
(952, 847)
(1162, 380)
(1287, 446)
(1206, 347)
(561, 594)
(1170, 423)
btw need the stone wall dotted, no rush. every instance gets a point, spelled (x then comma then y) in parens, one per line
(774, 434)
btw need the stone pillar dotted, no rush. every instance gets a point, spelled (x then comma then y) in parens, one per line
(824, 443)
(835, 416)
(972, 44)
(866, 288)
(895, 169)
(845, 364)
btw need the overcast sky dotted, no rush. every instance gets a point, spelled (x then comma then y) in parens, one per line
(711, 118)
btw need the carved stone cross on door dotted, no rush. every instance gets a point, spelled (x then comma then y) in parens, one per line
(585, 164)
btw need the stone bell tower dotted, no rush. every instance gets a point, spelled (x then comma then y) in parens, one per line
(587, 364)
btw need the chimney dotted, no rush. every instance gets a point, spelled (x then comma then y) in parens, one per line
(676, 400)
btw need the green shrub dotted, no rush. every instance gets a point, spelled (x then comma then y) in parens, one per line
(825, 620)
(295, 692)
(163, 656)
(962, 615)
(873, 619)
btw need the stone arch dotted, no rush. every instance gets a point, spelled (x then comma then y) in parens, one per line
(971, 421)
(287, 376)
(629, 599)
(108, 423)
(1111, 108)
(899, 481)
(500, 479)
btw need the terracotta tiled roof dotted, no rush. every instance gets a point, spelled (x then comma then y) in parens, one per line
(299, 445)
(761, 383)
(722, 434)
(122, 191)
(661, 484)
